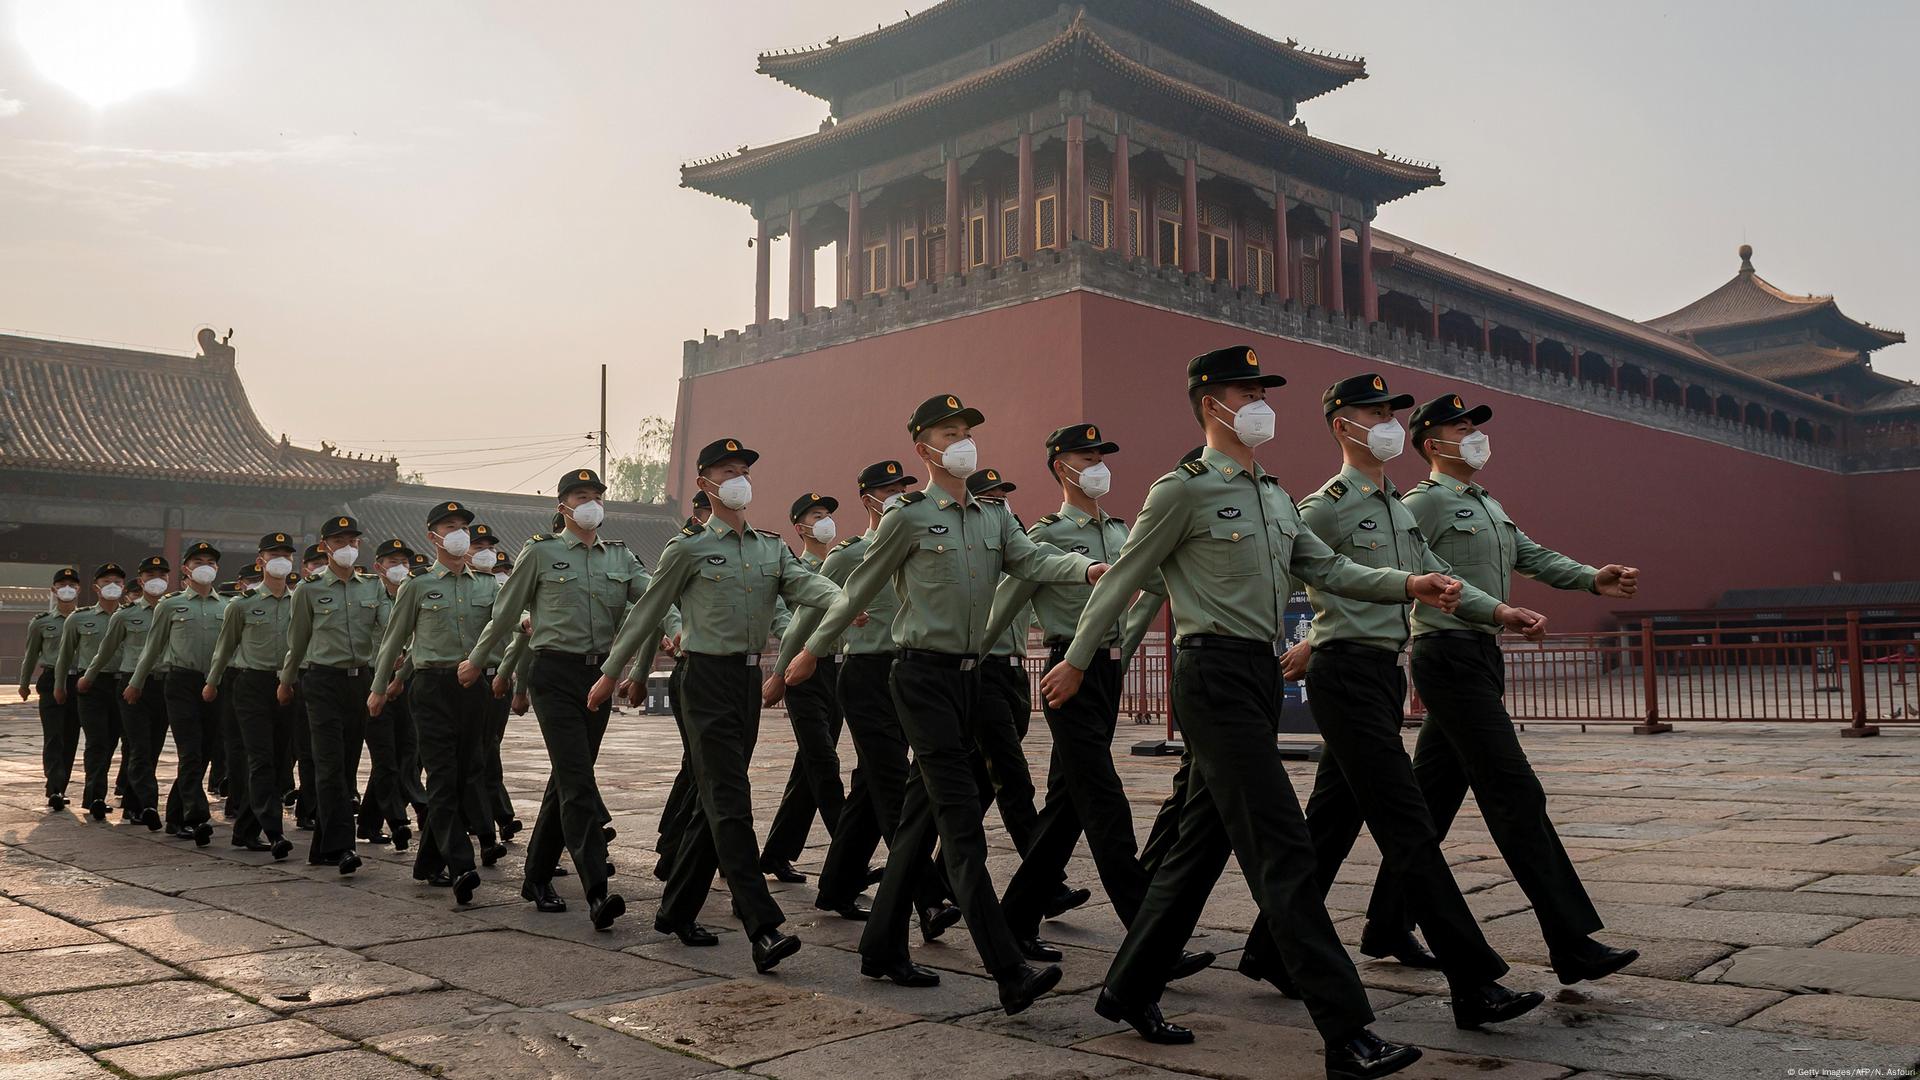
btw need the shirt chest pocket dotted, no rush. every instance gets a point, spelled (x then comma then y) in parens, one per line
(1228, 550)
(88, 629)
(1465, 540)
(50, 633)
(936, 559)
(436, 611)
(366, 613)
(610, 586)
(257, 617)
(1281, 533)
(1372, 546)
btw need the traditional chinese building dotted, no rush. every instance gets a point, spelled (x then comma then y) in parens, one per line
(1047, 209)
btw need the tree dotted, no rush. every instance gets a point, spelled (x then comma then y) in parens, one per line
(412, 476)
(642, 475)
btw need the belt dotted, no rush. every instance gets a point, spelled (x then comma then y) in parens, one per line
(1357, 649)
(586, 659)
(1457, 635)
(1057, 650)
(957, 661)
(445, 665)
(1230, 644)
(347, 671)
(750, 659)
(870, 656)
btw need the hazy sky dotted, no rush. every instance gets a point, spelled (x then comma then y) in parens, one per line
(430, 222)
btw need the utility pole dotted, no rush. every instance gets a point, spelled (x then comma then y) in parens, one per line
(603, 423)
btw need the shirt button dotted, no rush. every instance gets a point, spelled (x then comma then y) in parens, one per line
(939, 547)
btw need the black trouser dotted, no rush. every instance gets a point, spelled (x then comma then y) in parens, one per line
(406, 753)
(194, 722)
(499, 803)
(937, 701)
(217, 736)
(570, 811)
(59, 731)
(814, 781)
(680, 796)
(450, 720)
(229, 728)
(100, 719)
(872, 810)
(722, 723)
(1239, 802)
(336, 702)
(306, 799)
(261, 725)
(1084, 794)
(140, 741)
(998, 725)
(1365, 777)
(1468, 740)
(383, 804)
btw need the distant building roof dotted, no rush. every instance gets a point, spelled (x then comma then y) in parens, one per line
(1837, 594)
(118, 412)
(1749, 300)
(400, 510)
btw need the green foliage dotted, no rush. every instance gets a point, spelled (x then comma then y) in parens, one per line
(642, 475)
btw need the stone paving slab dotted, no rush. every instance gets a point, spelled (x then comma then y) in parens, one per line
(1808, 902)
(76, 967)
(1235, 1049)
(364, 1021)
(942, 1052)
(1826, 971)
(292, 979)
(209, 874)
(95, 1019)
(1839, 1016)
(1721, 877)
(30, 1052)
(342, 1065)
(837, 971)
(1879, 936)
(23, 929)
(107, 902)
(1622, 992)
(536, 1046)
(1905, 887)
(316, 909)
(234, 1046)
(742, 1021)
(528, 970)
(201, 935)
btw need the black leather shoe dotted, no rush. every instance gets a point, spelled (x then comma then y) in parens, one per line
(1066, 900)
(510, 829)
(850, 911)
(545, 900)
(492, 853)
(1405, 948)
(1490, 1004)
(1145, 1019)
(1260, 971)
(1023, 985)
(935, 921)
(1367, 1055)
(783, 871)
(606, 909)
(1592, 961)
(441, 879)
(503, 851)
(98, 809)
(561, 871)
(255, 844)
(151, 819)
(1035, 949)
(876, 874)
(303, 822)
(56, 802)
(904, 973)
(692, 934)
(607, 834)
(464, 886)
(1190, 964)
(402, 836)
(663, 868)
(349, 862)
(202, 834)
(288, 798)
(772, 947)
(282, 848)
(377, 838)
(323, 860)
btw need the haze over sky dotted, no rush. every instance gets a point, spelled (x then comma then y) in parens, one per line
(429, 223)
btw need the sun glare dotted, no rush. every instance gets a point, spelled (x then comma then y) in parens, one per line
(106, 51)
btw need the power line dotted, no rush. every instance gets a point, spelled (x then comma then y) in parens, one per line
(545, 468)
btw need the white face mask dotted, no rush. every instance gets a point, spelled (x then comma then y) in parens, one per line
(589, 515)
(734, 493)
(502, 577)
(456, 543)
(1475, 449)
(1385, 441)
(484, 559)
(1254, 423)
(396, 574)
(345, 556)
(961, 459)
(1095, 480)
(154, 586)
(205, 574)
(890, 501)
(280, 566)
(66, 594)
(110, 591)
(825, 530)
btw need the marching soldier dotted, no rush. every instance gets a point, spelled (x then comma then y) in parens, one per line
(942, 551)
(179, 647)
(1228, 542)
(59, 715)
(80, 639)
(421, 564)
(1356, 691)
(115, 660)
(724, 579)
(680, 796)
(575, 585)
(814, 782)
(436, 620)
(335, 693)
(253, 641)
(393, 563)
(1468, 740)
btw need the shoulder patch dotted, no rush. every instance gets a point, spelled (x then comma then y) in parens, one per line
(1116, 520)
(689, 531)
(1398, 494)
(847, 543)
(912, 497)
(614, 543)
(1424, 484)
(1336, 489)
(768, 535)
(537, 537)
(1194, 468)
(1047, 520)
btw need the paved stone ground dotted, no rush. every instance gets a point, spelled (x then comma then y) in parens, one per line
(1771, 876)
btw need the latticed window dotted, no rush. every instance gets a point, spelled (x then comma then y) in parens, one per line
(1309, 275)
(1099, 221)
(936, 215)
(1166, 202)
(977, 241)
(909, 258)
(1216, 257)
(1168, 248)
(1259, 269)
(1256, 231)
(1043, 179)
(872, 231)
(1009, 231)
(1133, 231)
(1099, 177)
(875, 269)
(936, 255)
(1046, 227)
(1215, 214)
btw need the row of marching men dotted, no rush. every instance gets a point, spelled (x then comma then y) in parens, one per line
(265, 683)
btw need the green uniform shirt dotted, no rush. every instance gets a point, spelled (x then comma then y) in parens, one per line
(517, 662)
(1229, 544)
(80, 642)
(336, 623)
(1012, 641)
(725, 584)
(1369, 525)
(185, 627)
(1058, 607)
(943, 557)
(1472, 532)
(439, 618)
(874, 638)
(577, 593)
(43, 644)
(126, 639)
(253, 633)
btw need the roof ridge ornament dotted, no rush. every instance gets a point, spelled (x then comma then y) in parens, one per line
(1746, 258)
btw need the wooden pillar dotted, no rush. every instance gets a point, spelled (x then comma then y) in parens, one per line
(856, 248)
(1076, 180)
(796, 266)
(1613, 379)
(807, 264)
(762, 273)
(956, 221)
(170, 546)
(1190, 220)
(1369, 299)
(1282, 258)
(1533, 351)
(1122, 198)
(1336, 288)
(844, 270)
(1025, 217)
(1486, 334)
(1433, 322)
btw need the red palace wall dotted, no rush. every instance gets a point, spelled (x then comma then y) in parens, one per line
(1698, 517)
